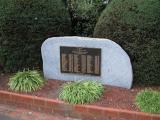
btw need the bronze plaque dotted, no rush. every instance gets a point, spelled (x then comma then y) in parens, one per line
(80, 60)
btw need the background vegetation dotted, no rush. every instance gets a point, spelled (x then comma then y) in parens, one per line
(135, 25)
(24, 25)
(84, 15)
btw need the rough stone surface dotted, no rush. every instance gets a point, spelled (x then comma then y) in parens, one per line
(116, 68)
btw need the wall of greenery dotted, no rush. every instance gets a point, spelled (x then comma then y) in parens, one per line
(24, 25)
(135, 25)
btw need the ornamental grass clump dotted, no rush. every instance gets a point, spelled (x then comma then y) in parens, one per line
(26, 81)
(148, 101)
(81, 92)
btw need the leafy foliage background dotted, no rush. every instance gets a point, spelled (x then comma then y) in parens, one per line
(24, 25)
(135, 25)
(84, 15)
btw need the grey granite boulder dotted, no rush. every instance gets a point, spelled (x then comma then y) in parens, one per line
(116, 68)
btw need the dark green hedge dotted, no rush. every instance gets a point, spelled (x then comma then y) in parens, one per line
(135, 25)
(24, 25)
(84, 15)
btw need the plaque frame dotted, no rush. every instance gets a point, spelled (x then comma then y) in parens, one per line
(88, 60)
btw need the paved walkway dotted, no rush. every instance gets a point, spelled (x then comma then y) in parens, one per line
(14, 113)
(3, 117)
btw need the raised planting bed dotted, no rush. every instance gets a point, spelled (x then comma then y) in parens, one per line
(116, 103)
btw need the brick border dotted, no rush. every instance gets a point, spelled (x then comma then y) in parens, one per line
(84, 112)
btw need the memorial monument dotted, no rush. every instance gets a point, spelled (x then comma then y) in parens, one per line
(83, 58)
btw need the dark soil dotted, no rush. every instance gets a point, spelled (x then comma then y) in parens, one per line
(113, 97)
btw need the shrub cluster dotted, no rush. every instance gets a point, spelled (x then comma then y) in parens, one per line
(24, 25)
(135, 25)
(81, 92)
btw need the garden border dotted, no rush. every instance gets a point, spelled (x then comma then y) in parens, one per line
(84, 112)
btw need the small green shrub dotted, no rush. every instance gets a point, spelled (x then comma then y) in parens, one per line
(81, 92)
(148, 101)
(26, 81)
(135, 25)
(24, 25)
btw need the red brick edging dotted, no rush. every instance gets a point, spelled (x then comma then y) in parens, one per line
(84, 112)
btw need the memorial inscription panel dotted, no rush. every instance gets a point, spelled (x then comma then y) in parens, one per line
(80, 60)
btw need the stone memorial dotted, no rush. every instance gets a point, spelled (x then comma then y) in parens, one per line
(82, 58)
